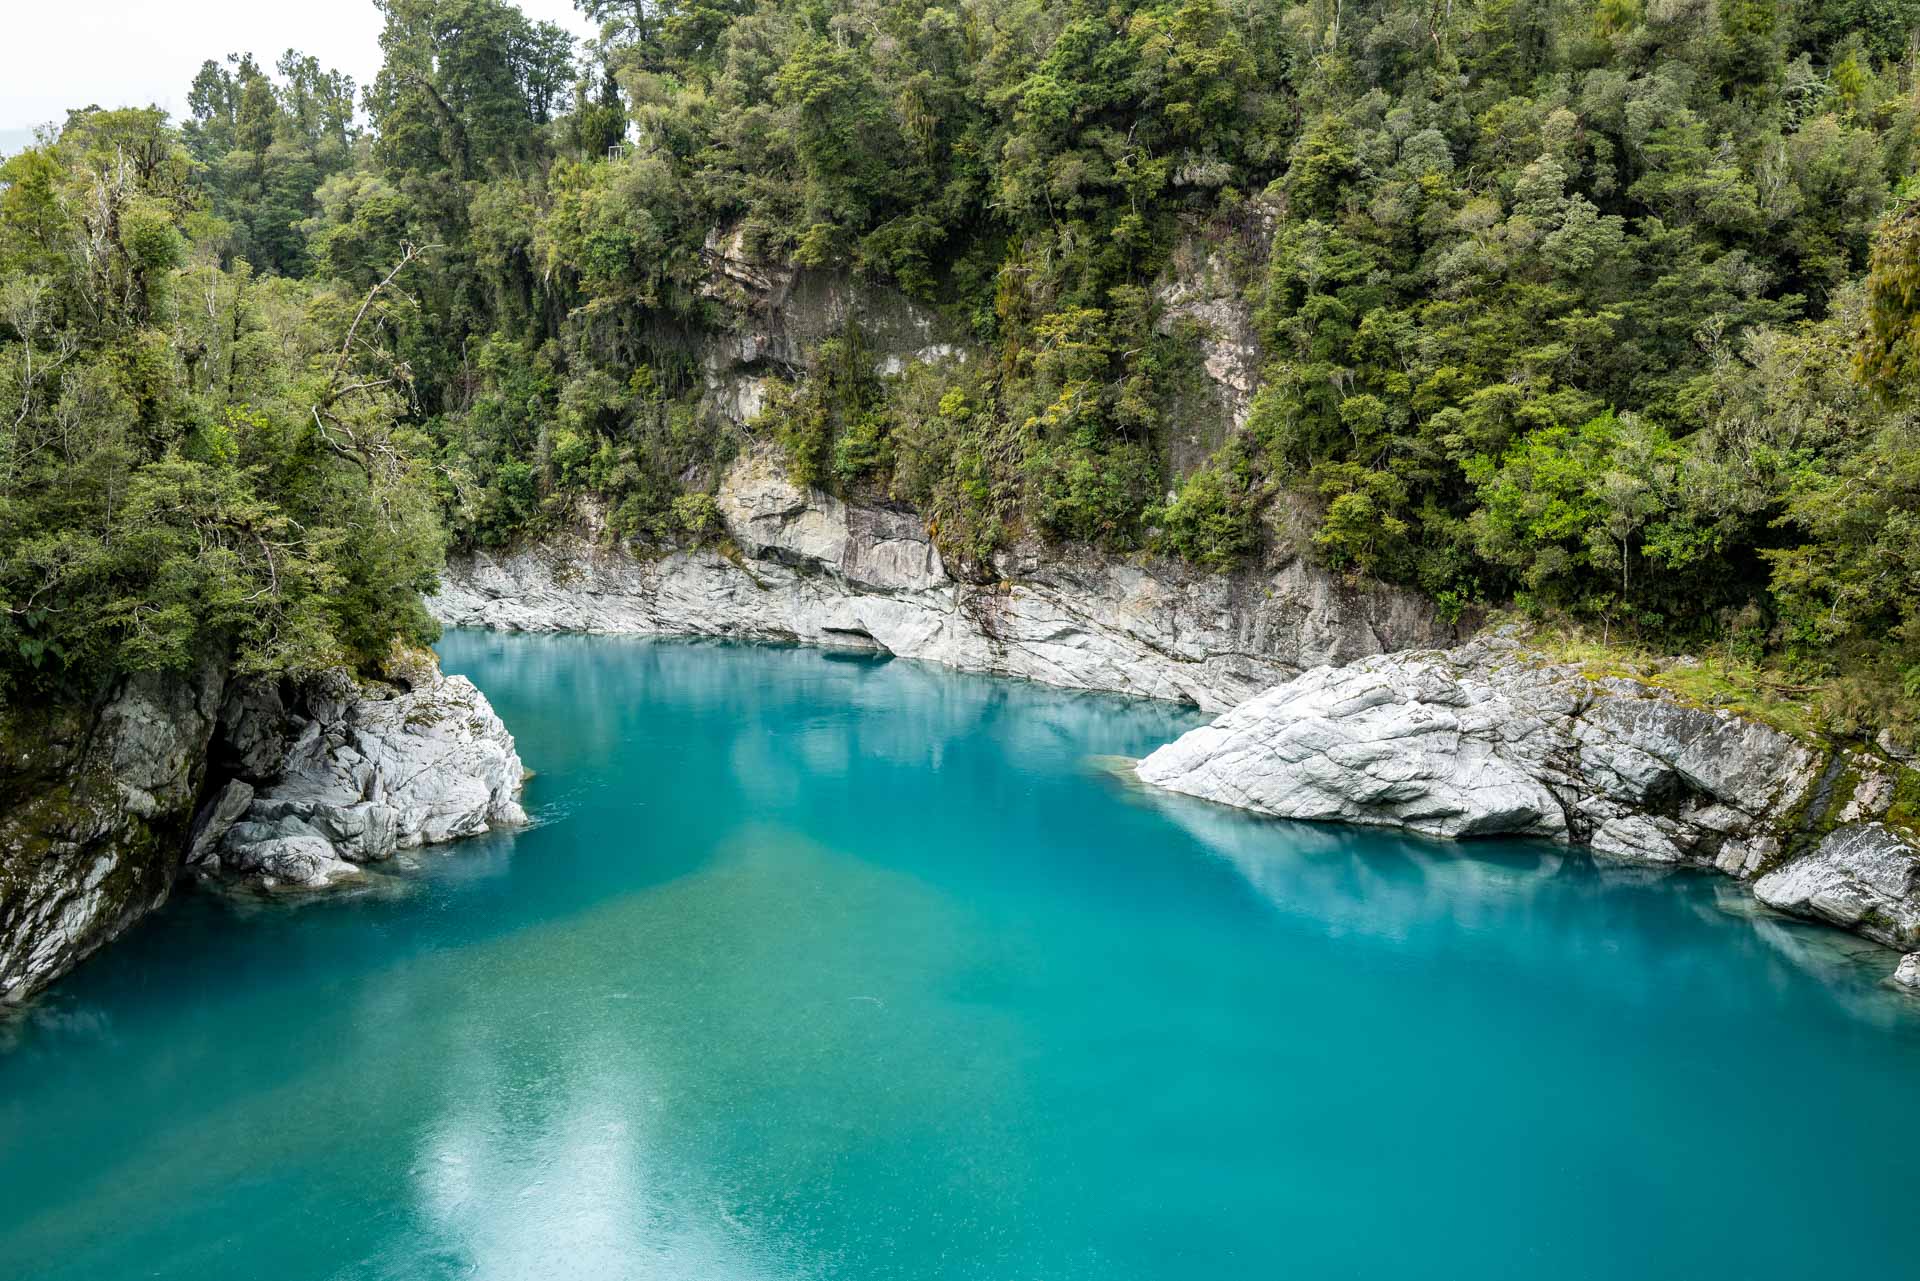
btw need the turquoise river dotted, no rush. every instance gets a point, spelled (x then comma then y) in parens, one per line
(816, 966)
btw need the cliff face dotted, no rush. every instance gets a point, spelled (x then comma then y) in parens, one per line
(806, 566)
(810, 567)
(97, 803)
(1485, 741)
(105, 808)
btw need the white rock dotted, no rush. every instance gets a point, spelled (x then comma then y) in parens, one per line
(376, 771)
(1907, 975)
(827, 572)
(1481, 740)
(1637, 838)
(287, 849)
(1374, 743)
(1862, 876)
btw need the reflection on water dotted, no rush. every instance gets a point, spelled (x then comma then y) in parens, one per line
(823, 968)
(1392, 886)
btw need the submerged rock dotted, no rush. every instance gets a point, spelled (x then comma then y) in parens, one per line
(811, 567)
(1485, 740)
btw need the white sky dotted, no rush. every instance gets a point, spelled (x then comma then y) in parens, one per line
(137, 53)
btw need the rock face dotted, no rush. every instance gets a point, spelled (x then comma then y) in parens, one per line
(778, 313)
(813, 568)
(1485, 741)
(100, 809)
(94, 812)
(1203, 302)
(801, 565)
(1863, 877)
(364, 771)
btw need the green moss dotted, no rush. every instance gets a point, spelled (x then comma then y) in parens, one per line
(1904, 812)
(1712, 684)
(1838, 798)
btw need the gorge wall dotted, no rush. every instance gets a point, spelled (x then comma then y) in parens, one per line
(800, 565)
(805, 566)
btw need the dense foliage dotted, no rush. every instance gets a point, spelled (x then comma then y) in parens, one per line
(197, 459)
(1603, 307)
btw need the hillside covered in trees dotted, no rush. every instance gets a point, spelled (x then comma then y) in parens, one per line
(1605, 310)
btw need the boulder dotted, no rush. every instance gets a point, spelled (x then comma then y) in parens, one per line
(374, 769)
(1863, 877)
(1486, 741)
(285, 851)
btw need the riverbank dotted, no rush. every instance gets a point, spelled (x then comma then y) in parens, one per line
(276, 786)
(1490, 739)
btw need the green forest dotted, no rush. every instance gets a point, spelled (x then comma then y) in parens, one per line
(1606, 312)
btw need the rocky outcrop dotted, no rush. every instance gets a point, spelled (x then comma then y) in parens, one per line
(100, 813)
(805, 566)
(1485, 740)
(1863, 877)
(1907, 974)
(779, 313)
(1203, 302)
(96, 806)
(361, 771)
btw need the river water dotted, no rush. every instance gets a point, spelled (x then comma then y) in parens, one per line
(825, 967)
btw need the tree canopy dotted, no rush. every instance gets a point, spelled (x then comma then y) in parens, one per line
(1602, 308)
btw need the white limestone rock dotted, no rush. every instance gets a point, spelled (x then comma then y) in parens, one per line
(285, 852)
(816, 569)
(375, 770)
(1402, 744)
(1907, 974)
(1862, 876)
(1483, 740)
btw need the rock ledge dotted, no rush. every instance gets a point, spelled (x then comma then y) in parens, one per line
(814, 568)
